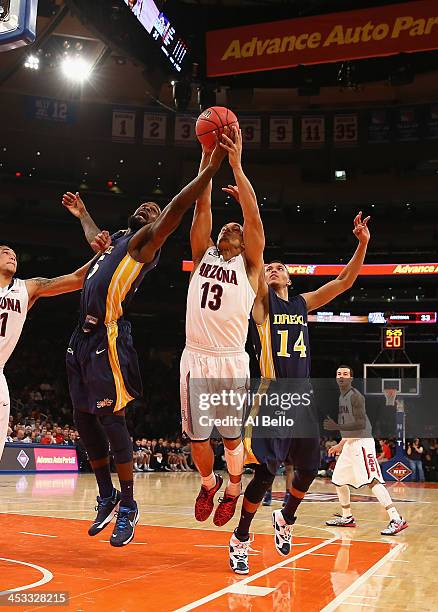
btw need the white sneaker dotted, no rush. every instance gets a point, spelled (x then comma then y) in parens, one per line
(395, 527)
(239, 554)
(341, 521)
(282, 533)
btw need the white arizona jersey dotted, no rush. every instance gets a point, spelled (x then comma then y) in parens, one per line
(219, 302)
(346, 417)
(13, 310)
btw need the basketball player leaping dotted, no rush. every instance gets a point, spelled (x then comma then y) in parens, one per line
(220, 296)
(357, 463)
(102, 364)
(16, 298)
(281, 340)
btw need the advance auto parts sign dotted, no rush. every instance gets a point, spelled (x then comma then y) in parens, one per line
(335, 37)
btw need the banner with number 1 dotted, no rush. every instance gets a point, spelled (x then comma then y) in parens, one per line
(123, 126)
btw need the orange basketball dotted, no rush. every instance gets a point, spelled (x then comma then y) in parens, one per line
(212, 121)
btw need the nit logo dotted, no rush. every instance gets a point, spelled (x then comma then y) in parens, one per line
(23, 459)
(105, 402)
(311, 269)
(399, 471)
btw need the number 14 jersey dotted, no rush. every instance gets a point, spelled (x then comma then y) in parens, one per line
(219, 302)
(281, 343)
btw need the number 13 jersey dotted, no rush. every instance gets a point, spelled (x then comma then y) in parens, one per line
(219, 302)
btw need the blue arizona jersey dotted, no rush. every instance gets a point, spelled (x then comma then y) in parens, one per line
(112, 279)
(281, 343)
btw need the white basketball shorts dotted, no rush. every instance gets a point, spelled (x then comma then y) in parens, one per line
(357, 464)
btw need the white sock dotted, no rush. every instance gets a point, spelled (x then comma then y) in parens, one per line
(208, 481)
(344, 497)
(234, 488)
(385, 499)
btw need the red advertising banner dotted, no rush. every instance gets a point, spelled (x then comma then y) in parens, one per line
(390, 269)
(320, 39)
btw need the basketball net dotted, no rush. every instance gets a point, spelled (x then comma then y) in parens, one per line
(390, 395)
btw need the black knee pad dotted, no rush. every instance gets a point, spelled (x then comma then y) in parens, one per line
(258, 486)
(303, 479)
(92, 435)
(118, 435)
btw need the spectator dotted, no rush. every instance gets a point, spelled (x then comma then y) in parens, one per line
(9, 437)
(415, 453)
(385, 451)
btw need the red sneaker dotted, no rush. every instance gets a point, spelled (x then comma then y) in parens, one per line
(205, 501)
(225, 510)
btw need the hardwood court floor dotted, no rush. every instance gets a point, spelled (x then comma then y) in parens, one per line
(177, 564)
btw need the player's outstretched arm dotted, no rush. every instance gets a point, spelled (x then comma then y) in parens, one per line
(48, 287)
(346, 279)
(98, 240)
(200, 232)
(146, 242)
(253, 233)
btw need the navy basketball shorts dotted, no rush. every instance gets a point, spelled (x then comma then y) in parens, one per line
(102, 369)
(276, 441)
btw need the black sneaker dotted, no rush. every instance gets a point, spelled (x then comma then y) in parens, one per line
(106, 508)
(127, 519)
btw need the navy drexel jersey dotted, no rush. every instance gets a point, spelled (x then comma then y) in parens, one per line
(111, 281)
(281, 343)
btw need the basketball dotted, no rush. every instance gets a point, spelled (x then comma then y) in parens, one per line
(212, 120)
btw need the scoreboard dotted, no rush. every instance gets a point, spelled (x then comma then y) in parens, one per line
(393, 338)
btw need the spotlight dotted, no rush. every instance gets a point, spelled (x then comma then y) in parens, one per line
(76, 69)
(340, 175)
(32, 62)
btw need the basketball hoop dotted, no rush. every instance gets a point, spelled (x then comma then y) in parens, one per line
(390, 395)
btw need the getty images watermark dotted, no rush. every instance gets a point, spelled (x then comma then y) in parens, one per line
(233, 403)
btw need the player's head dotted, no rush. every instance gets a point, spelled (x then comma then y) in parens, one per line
(145, 213)
(231, 237)
(344, 376)
(277, 275)
(8, 261)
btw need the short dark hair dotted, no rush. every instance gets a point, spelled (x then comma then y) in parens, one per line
(346, 367)
(280, 262)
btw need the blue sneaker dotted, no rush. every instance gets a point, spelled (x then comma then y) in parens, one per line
(124, 529)
(106, 508)
(267, 500)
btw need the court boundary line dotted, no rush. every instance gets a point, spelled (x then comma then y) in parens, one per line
(47, 577)
(334, 604)
(268, 570)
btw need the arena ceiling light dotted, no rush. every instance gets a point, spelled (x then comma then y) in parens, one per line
(32, 62)
(76, 69)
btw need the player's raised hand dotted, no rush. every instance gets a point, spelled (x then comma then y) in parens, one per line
(360, 229)
(73, 203)
(233, 191)
(232, 143)
(218, 154)
(101, 242)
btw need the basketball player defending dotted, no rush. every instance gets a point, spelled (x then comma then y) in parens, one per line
(102, 364)
(16, 298)
(281, 340)
(357, 463)
(220, 296)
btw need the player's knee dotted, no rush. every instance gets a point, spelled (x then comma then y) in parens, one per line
(303, 479)
(118, 435)
(258, 486)
(91, 435)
